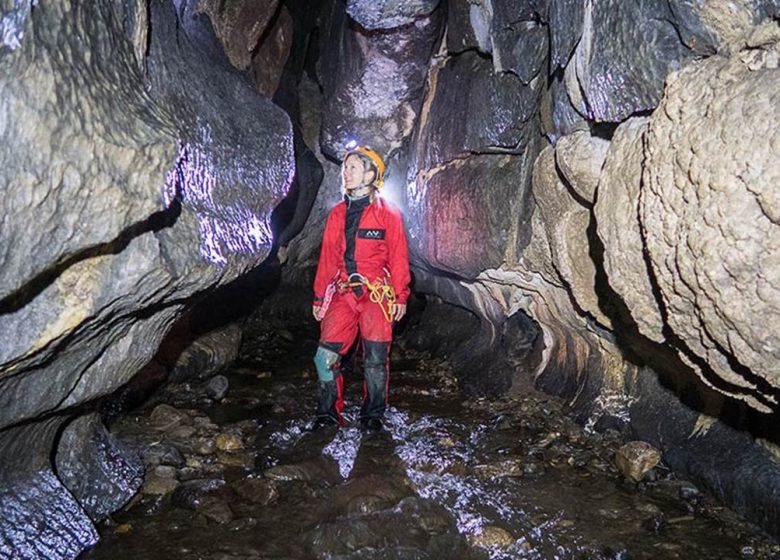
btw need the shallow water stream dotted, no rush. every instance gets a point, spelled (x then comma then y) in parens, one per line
(241, 478)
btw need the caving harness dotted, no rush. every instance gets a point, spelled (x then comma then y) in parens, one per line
(382, 293)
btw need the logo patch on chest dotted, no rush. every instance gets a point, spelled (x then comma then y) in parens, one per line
(371, 233)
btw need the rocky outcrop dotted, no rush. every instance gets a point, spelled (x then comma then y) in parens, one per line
(372, 81)
(710, 212)
(388, 14)
(150, 170)
(239, 26)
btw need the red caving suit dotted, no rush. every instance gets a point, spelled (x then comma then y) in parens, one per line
(368, 238)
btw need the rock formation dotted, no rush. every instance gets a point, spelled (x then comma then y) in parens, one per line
(138, 175)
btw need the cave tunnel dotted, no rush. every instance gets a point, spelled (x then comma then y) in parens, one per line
(583, 360)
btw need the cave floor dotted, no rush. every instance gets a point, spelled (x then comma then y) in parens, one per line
(512, 477)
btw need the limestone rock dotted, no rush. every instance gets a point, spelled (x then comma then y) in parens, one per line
(710, 212)
(239, 25)
(565, 21)
(387, 14)
(618, 226)
(580, 156)
(126, 193)
(566, 223)
(519, 38)
(101, 472)
(471, 109)
(272, 53)
(457, 218)
(372, 82)
(625, 51)
(636, 458)
(208, 354)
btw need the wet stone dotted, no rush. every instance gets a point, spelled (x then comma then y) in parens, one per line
(236, 459)
(216, 509)
(182, 432)
(165, 417)
(492, 537)
(217, 387)
(227, 441)
(163, 454)
(304, 471)
(636, 458)
(258, 490)
(158, 485)
(165, 471)
(509, 468)
(191, 494)
(206, 447)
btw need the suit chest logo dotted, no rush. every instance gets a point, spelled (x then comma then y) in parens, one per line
(371, 233)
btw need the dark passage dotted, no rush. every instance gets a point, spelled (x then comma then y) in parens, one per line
(241, 478)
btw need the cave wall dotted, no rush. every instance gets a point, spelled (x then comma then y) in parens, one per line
(139, 171)
(601, 168)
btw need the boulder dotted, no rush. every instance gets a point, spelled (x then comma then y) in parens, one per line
(239, 25)
(101, 472)
(619, 229)
(469, 109)
(710, 212)
(579, 157)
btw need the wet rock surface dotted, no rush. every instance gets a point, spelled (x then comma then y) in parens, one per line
(478, 478)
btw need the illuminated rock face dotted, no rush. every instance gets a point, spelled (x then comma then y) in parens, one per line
(138, 171)
(372, 82)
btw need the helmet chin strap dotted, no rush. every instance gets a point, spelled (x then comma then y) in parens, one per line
(359, 192)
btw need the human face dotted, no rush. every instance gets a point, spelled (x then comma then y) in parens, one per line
(354, 175)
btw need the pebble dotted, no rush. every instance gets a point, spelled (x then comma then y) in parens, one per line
(636, 458)
(165, 471)
(159, 486)
(217, 387)
(123, 529)
(258, 490)
(229, 442)
(236, 459)
(164, 417)
(491, 536)
(182, 432)
(162, 454)
(206, 447)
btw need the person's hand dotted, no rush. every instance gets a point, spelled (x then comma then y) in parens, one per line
(399, 310)
(316, 310)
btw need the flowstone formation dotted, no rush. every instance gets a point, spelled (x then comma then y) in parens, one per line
(603, 168)
(139, 171)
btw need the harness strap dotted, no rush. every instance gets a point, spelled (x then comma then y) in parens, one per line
(382, 294)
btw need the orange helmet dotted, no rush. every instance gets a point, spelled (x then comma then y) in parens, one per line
(376, 161)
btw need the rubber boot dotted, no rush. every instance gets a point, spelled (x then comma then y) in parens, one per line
(376, 376)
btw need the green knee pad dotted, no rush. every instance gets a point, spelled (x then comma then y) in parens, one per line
(324, 360)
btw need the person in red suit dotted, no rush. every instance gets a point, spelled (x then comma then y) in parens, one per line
(362, 284)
